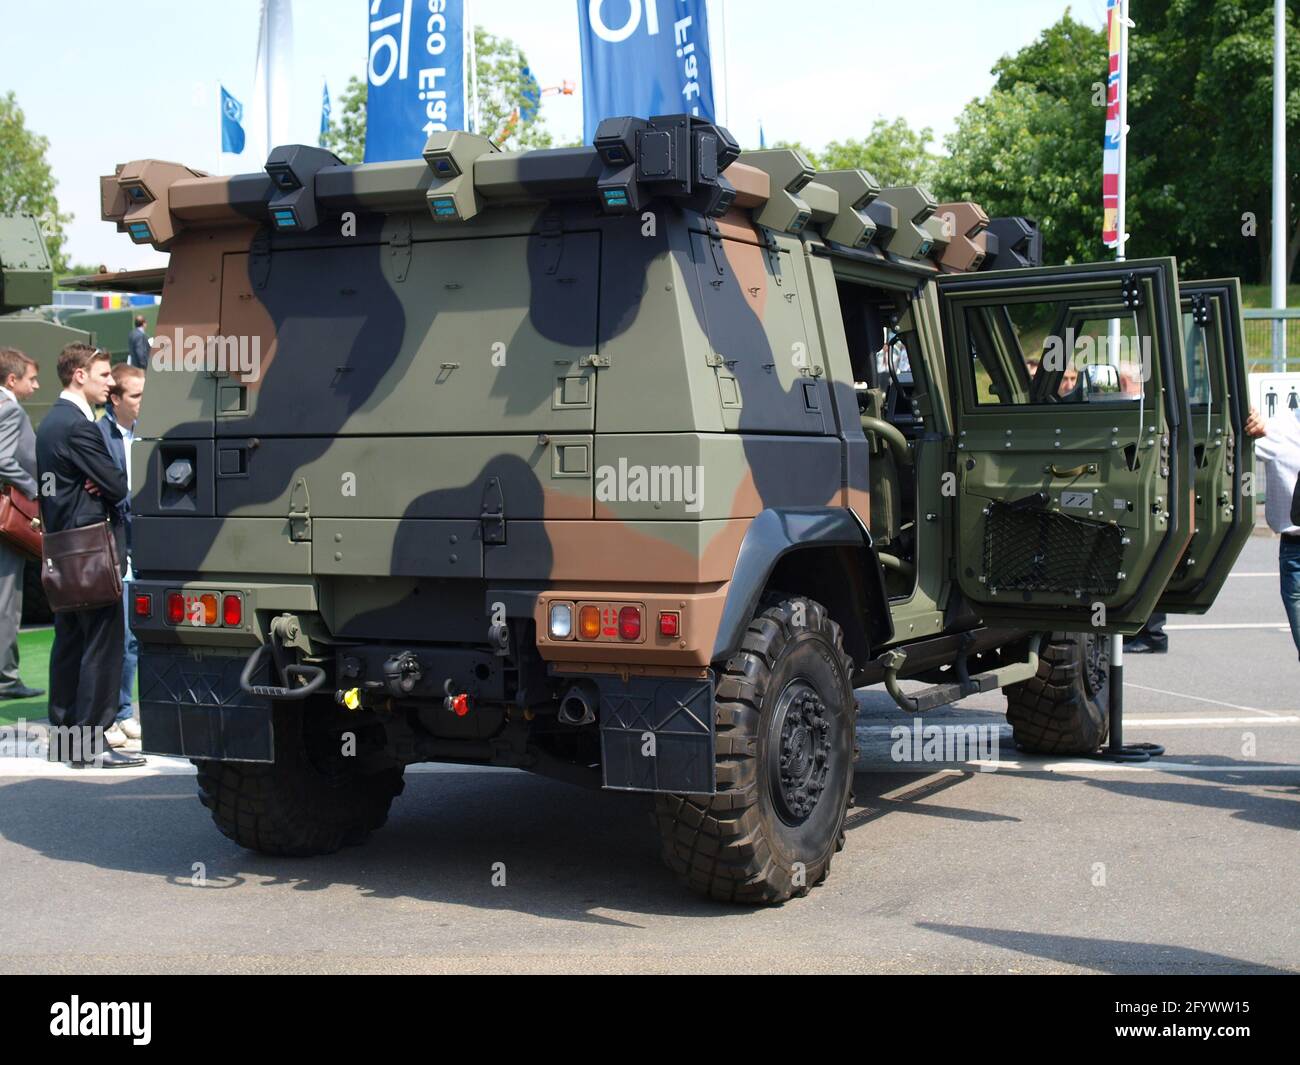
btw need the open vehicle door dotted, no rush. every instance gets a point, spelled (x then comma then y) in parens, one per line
(1073, 455)
(1223, 455)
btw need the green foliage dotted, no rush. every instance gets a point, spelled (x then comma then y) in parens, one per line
(501, 88)
(1200, 146)
(1033, 145)
(346, 136)
(26, 181)
(892, 152)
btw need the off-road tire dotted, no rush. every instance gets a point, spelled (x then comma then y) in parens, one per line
(745, 844)
(1065, 708)
(290, 807)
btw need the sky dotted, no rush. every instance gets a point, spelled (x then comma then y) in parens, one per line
(107, 82)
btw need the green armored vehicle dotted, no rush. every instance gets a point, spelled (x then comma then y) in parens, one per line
(628, 463)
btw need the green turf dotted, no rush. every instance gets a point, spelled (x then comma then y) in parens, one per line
(34, 667)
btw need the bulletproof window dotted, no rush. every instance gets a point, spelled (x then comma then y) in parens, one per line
(1034, 353)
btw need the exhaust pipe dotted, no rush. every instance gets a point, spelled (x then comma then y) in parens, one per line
(578, 705)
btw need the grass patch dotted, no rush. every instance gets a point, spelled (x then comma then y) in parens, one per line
(34, 667)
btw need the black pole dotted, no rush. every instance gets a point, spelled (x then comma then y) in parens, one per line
(1117, 750)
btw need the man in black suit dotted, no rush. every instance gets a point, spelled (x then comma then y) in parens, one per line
(82, 485)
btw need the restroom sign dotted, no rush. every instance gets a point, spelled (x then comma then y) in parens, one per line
(1275, 393)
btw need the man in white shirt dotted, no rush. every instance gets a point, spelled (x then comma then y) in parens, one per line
(1279, 446)
(117, 427)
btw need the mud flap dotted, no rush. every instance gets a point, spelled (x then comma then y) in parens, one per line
(191, 705)
(657, 734)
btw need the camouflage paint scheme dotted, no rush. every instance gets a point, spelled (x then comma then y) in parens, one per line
(418, 451)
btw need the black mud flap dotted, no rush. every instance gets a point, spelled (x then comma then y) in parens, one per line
(657, 734)
(191, 705)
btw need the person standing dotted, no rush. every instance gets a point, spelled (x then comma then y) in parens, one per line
(118, 429)
(1279, 447)
(85, 486)
(18, 380)
(138, 345)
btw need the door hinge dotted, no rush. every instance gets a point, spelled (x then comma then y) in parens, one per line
(492, 516)
(1131, 292)
(773, 252)
(715, 246)
(551, 233)
(259, 259)
(300, 513)
(595, 361)
(399, 245)
(1200, 310)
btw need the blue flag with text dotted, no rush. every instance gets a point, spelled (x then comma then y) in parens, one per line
(419, 73)
(644, 58)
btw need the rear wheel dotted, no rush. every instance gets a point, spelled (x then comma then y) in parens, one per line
(785, 713)
(1065, 708)
(301, 804)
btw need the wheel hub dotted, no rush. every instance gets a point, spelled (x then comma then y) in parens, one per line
(800, 755)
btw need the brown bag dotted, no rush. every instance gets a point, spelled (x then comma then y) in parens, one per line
(79, 568)
(20, 522)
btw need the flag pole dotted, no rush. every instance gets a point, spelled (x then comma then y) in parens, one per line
(1280, 213)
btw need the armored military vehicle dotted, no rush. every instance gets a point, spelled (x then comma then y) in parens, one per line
(627, 464)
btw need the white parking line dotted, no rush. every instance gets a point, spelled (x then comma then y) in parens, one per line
(1277, 626)
(1273, 575)
(1202, 699)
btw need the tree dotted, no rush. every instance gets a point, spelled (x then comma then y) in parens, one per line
(892, 152)
(1201, 112)
(26, 181)
(504, 86)
(1033, 145)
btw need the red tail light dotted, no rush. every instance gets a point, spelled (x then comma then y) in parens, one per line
(232, 610)
(669, 623)
(629, 623)
(175, 608)
(143, 606)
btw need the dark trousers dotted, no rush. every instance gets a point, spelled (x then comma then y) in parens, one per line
(86, 666)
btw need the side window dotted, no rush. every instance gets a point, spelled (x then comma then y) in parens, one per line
(1047, 352)
(1196, 355)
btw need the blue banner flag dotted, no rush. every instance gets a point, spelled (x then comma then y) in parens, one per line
(324, 114)
(421, 62)
(644, 58)
(232, 129)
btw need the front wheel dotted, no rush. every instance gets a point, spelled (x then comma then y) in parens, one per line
(785, 713)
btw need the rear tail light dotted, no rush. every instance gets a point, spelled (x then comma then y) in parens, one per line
(175, 608)
(143, 606)
(232, 610)
(670, 623)
(561, 624)
(629, 623)
(589, 622)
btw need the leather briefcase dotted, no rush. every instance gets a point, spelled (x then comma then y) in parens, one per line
(79, 568)
(20, 522)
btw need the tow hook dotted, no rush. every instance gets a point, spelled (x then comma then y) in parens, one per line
(456, 702)
(402, 673)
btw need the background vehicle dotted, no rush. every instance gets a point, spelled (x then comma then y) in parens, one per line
(626, 464)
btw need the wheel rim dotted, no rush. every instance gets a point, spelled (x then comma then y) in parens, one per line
(799, 751)
(1096, 664)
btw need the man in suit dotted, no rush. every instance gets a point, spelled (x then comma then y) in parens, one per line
(138, 345)
(18, 381)
(118, 429)
(82, 485)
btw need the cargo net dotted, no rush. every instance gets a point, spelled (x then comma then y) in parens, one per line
(1039, 551)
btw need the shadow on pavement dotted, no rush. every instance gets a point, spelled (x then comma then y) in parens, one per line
(1112, 956)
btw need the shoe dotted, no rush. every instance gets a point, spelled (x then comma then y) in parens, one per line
(114, 736)
(111, 759)
(130, 727)
(21, 691)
